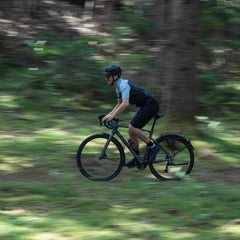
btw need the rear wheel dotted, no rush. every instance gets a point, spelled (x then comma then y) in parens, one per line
(95, 167)
(175, 160)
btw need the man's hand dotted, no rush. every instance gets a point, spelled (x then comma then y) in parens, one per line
(120, 107)
(108, 118)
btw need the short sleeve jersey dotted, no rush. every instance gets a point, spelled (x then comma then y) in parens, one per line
(137, 96)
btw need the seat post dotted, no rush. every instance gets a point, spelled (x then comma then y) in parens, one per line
(153, 125)
(156, 117)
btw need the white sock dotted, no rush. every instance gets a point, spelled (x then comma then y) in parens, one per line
(153, 146)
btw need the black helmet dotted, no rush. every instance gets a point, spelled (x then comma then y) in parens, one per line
(113, 70)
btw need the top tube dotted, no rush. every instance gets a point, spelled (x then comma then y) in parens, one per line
(114, 123)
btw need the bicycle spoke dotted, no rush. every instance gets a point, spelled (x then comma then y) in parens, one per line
(174, 160)
(180, 150)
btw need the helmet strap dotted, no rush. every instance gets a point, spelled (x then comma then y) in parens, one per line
(114, 80)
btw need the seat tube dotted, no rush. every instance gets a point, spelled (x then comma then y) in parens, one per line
(150, 136)
(153, 125)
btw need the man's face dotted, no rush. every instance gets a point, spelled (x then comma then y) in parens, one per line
(110, 79)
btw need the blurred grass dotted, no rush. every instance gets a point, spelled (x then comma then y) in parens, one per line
(141, 209)
(43, 196)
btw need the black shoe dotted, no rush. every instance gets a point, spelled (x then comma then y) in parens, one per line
(131, 163)
(153, 153)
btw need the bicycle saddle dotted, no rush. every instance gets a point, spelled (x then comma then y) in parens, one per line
(159, 116)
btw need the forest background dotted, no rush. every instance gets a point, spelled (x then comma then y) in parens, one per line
(53, 53)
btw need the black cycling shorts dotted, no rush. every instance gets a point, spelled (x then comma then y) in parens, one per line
(145, 114)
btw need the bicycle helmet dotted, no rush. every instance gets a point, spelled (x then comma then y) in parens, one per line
(113, 70)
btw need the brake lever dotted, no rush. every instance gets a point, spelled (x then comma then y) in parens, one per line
(100, 117)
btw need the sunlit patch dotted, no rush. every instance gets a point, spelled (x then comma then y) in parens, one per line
(8, 101)
(4, 136)
(51, 132)
(137, 211)
(15, 212)
(49, 236)
(175, 169)
(232, 229)
(15, 163)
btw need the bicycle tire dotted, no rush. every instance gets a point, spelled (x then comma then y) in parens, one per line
(178, 150)
(97, 169)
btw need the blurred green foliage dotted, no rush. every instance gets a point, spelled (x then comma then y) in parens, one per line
(140, 20)
(219, 53)
(55, 67)
(68, 66)
(218, 93)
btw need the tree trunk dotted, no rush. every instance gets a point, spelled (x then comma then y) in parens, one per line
(176, 59)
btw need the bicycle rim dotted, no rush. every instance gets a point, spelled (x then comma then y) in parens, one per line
(100, 169)
(175, 160)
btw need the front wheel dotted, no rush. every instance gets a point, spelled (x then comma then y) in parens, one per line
(175, 160)
(97, 165)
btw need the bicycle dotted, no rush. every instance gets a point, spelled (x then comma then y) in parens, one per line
(101, 157)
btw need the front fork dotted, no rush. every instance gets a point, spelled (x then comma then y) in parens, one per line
(103, 154)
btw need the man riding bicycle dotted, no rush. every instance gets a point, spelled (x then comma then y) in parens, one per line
(129, 93)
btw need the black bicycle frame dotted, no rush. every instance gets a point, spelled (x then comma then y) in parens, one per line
(115, 131)
(114, 126)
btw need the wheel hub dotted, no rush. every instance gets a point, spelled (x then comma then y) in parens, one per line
(99, 159)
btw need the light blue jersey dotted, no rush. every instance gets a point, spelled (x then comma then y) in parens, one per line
(135, 94)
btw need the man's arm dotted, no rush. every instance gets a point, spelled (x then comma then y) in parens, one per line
(114, 109)
(120, 107)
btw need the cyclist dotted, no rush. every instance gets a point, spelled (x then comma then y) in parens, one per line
(129, 93)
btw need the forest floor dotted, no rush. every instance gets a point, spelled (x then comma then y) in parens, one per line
(44, 196)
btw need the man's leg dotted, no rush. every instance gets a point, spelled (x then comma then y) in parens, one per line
(142, 117)
(137, 133)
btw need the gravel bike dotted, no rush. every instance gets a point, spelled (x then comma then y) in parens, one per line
(101, 157)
